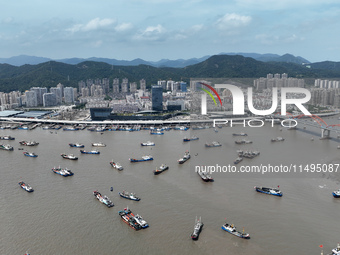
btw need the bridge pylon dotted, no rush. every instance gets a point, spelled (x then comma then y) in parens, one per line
(325, 133)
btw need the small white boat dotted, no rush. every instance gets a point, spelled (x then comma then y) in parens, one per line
(98, 144)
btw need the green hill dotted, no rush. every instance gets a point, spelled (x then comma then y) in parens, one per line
(50, 73)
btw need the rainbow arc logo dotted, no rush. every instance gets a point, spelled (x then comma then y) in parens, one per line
(209, 93)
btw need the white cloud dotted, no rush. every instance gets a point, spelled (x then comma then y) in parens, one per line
(230, 21)
(152, 33)
(123, 27)
(93, 24)
(98, 23)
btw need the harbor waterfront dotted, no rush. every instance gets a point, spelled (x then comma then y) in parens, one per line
(62, 216)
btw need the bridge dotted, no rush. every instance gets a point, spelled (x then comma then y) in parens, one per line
(312, 120)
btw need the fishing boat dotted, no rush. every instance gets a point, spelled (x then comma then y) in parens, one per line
(127, 217)
(269, 191)
(336, 193)
(156, 133)
(193, 138)
(127, 195)
(148, 143)
(26, 186)
(98, 145)
(232, 230)
(213, 144)
(28, 143)
(185, 158)
(70, 129)
(30, 154)
(238, 160)
(197, 229)
(277, 139)
(90, 152)
(103, 199)
(139, 219)
(336, 251)
(76, 145)
(205, 176)
(239, 134)
(63, 172)
(243, 141)
(6, 147)
(116, 165)
(182, 128)
(69, 156)
(7, 137)
(144, 158)
(161, 169)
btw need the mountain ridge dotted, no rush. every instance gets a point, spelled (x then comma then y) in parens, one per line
(49, 74)
(33, 60)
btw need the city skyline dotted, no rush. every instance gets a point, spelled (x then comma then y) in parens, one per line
(170, 29)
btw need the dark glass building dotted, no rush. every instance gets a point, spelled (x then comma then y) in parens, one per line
(157, 98)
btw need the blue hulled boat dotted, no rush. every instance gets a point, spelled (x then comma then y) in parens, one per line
(76, 145)
(269, 191)
(144, 158)
(336, 193)
(232, 230)
(30, 154)
(90, 152)
(26, 186)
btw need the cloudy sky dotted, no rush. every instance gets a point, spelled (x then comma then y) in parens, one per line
(172, 29)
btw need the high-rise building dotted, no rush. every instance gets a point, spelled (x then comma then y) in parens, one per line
(31, 99)
(133, 87)
(115, 85)
(142, 83)
(58, 94)
(157, 98)
(39, 92)
(61, 86)
(49, 99)
(69, 95)
(81, 85)
(106, 85)
(125, 84)
(183, 86)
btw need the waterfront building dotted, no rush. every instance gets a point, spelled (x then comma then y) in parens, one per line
(49, 99)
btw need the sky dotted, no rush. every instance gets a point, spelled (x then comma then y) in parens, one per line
(169, 29)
